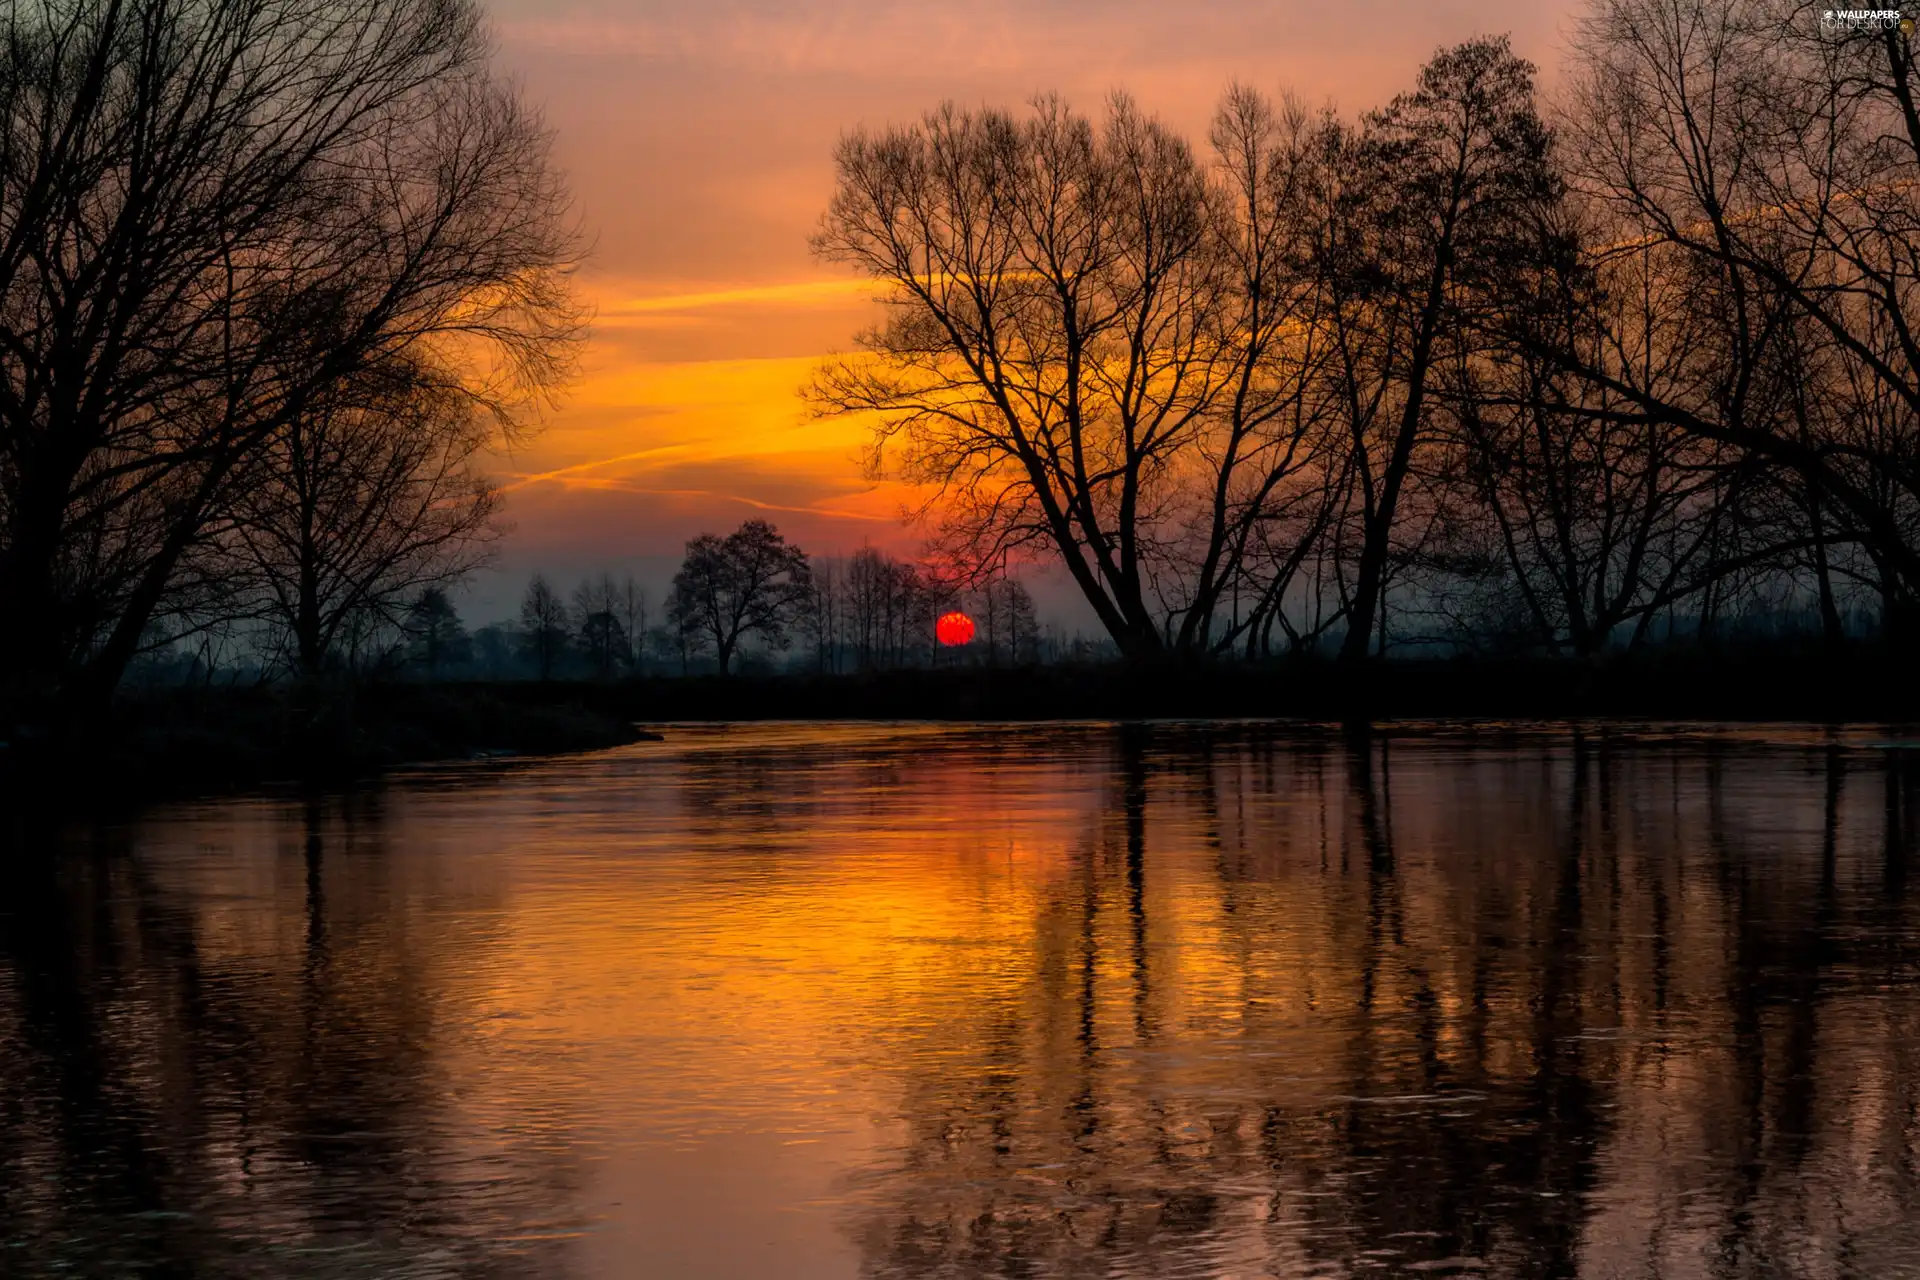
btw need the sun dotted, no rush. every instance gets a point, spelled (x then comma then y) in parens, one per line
(954, 628)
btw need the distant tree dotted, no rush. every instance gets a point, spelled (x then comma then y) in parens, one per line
(1003, 611)
(826, 615)
(890, 607)
(435, 638)
(750, 582)
(545, 627)
(597, 609)
(633, 616)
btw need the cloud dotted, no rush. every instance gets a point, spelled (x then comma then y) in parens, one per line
(788, 295)
(581, 472)
(996, 41)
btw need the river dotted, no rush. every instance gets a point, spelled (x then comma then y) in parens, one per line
(912, 1000)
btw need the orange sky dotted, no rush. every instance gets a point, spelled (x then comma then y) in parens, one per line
(698, 134)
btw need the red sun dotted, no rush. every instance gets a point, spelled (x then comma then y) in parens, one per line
(953, 628)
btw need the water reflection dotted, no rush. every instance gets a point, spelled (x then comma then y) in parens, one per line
(200, 1082)
(904, 1001)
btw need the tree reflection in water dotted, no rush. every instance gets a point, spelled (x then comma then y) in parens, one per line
(1453, 1015)
(906, 1001)
(191, 1090)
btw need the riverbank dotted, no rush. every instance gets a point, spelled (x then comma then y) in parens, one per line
(185, 742)
(160, 745)
(1867, 686)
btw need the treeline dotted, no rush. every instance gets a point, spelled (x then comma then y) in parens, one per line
(751, 595)
(273, 275)
(1469, 373)
(865, 612)
(749, 600)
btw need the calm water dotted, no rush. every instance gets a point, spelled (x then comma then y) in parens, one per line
(904, 1001)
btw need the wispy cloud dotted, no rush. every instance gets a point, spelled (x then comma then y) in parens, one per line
(721, 495)
(688, 449)
(790, 295)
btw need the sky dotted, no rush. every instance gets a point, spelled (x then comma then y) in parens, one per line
(697, 136)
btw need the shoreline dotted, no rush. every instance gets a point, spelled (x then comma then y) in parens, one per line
(1865, 688)
(178, 744)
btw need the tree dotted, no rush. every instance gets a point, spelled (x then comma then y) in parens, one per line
(436, 640)
(1592, 515)
(669, 644)
(545, 628)
(1792, 223)
(352, 510)
(1445, 200)
(889, 609)
(495, 649)
(1050, 345)
(597, 609)
(1008, 630)
(749, 582)
(633, 617)
(1098, 346)
(826, 615)
(215, 214)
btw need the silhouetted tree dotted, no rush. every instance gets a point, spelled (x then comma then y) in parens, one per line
(633, 618)
(1003, 612)
(889, 608)
(545, 628)
(435, 638)
(1789, 236)
(826, 614)
(495, 649)
(1178, 381)
(215, 214)
(602, 636)
(749, 582)
(1445, 201)
(670, 644)
(348, 512)
(1051, 346)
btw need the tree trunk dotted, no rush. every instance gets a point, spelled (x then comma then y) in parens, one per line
(1832, 632)
(1379, 531)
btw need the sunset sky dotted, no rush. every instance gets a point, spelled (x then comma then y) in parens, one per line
(698, 138)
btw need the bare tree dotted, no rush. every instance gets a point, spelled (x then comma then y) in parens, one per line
(1594, 516)
(1793, 215)
(1050, 347)
(1003, 610)
(751, 582)
(826, 616)
(1099, 346)
(213, 214)
(1447, 186)
(633, 617)
(436, 639)
(602, 636)
(347, 513)
(546, 630)
(1264, 476)
(889, 609)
